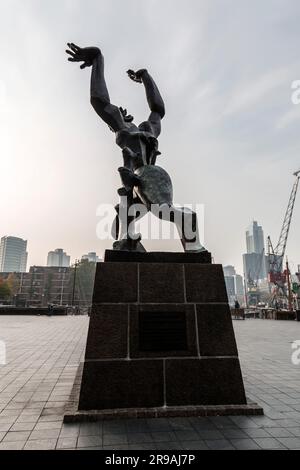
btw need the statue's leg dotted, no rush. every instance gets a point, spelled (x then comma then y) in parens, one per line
(187, 225)
(124, 225)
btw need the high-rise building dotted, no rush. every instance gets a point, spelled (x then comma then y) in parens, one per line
(255, 238)
(229, 270)
(239, 285)
(255, 260)
(234, 285)
(13, 254)
(91, 257)
(58, 258)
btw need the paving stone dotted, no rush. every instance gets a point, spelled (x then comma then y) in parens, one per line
(139, 437)
(50, 418)
(142, 446)
(234, 433)
(257, 432)
(280, 432)
(221, 422)
(187, 435)
(89, 441)
(194, 445)
(48, 425)
(112, 439)
(290, 442)
(159, 424)
(43, 444)
(219, 444)
(45, 434)
(5, 427)
(90, 429)
(243, 422)
(16, 445)
(114, 427)
(13, 436)
(136, 425)
(202, 423)
(70, 430)
(210, 434)
(295, 431)
(171, 445)
(22, 427)
(180, 424)
(66, 443)
(286, 423)
(244, 444)
(163, 436)
(268, 443)
(116, 447)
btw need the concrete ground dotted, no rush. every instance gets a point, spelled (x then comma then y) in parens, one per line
(42, 357)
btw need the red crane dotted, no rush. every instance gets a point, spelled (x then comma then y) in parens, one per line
(277, 276)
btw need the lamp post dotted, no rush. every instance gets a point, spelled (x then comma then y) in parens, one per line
(74, 281)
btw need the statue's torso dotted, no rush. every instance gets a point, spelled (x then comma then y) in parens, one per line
(155, 186)
(142, 143)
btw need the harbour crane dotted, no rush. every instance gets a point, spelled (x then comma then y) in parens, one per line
(277, 276)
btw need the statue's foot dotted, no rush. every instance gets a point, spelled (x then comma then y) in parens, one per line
(199, 249)
(129, 245)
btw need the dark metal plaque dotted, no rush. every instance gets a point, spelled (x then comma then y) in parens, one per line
(162, 331)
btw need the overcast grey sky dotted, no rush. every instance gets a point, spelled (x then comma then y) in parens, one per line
(230, 137)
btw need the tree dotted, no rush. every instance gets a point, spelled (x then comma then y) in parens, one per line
(5, 292)
(13, 282)
(84, 282)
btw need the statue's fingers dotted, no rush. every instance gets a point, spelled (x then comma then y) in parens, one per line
(71, 47)
(86, 64)
(74, 47)
(71, 59)
(70, 53)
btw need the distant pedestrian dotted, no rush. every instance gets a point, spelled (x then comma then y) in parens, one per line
(50, 310)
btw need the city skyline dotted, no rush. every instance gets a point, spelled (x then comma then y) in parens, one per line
(53, 258)
(229, 103)
(256, 244)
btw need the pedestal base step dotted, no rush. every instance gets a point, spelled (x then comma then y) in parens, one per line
(73, 415)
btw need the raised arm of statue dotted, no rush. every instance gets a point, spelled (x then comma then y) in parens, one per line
(92, 57)
(154, 98)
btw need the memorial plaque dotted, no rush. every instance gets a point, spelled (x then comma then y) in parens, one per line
(162, 331)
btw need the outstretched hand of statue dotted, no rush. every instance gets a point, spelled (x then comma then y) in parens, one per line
(136, 76)
(82, 54)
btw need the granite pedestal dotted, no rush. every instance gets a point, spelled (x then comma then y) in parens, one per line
(160, 341)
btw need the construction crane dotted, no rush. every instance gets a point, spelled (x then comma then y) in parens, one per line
(277, 276)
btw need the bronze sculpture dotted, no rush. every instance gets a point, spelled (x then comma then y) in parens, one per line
(144, 183)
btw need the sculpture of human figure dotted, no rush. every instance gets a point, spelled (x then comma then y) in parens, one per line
(143, 181)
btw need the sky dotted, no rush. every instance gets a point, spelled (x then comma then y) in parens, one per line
(230, 137)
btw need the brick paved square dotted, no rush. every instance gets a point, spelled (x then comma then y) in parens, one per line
(42, 358)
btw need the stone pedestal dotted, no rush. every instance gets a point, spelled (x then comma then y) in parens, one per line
(160, 341)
